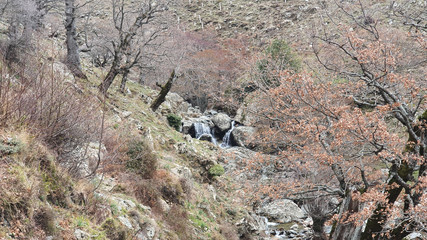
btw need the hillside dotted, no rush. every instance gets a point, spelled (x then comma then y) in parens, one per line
(280, 120)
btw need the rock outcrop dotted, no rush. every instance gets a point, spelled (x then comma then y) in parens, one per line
(281, 211)
(242, 136)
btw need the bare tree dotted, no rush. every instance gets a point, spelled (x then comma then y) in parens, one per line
(73, 58)
(132, 38)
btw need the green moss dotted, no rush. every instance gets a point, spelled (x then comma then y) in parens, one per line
(216, 170)
(56, 187)
(423, 116)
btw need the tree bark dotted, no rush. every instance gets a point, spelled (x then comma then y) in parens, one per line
(114, 71)
(124, 80)
(73, 58)
(349, 230)
(162, 95)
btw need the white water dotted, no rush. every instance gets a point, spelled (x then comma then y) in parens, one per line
(203, 129)
(226, 141)
(271, 227)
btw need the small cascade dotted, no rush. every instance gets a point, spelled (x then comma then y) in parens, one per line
(213, 136)
(226, 140)
(273, 231)
(203, 130)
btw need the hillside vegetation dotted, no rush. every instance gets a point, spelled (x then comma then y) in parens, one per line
(213, 119)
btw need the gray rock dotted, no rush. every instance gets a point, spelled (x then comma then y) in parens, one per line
(414, 236)
(242, 135)
(164, 206)
(183, 172)
(147, 230)
(281, 211)
(222, 121)
(83, 160)
(81, 235)
(126, 114)
(252, 225)
(125, 221)
(206, 137)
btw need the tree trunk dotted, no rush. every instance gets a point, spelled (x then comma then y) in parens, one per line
(114, 70)
(73, 59)
(105, 85)
(162, 95)
(124, 80)
(349, 231)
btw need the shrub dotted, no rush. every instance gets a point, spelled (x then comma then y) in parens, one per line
(216, 170)
(45, 219)
(174, 121)
(147, 193)
(56, 186)
(114, 230)
(177, 219)
(141, 159)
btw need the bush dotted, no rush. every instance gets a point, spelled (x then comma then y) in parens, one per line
(147, 193)
(141, 159)
(216, 170)
(278, 57)
(45, 219)
(114, 230)
(174, 121)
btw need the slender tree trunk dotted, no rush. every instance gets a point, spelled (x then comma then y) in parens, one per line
(124, 80)
(73, 58)
(162, 95)
(114, 71)
(105, 85)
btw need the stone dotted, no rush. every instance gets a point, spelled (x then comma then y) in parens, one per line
(116, 118)
(183, 172)
(164, 206)
(222, 121)
(81, 235)
(252, 225)
(147, 230)
(126, 114)
(414, 236)
(242, 135)
(181, 147)
(188, 138)
(83, 160)
(125, 221)
(206, 137)
(281, 211)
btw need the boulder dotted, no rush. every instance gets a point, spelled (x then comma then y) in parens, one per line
(282, 211)
(246, 114)
(206, 137)
(81, 235)
(242, 135)
(82, 160)
(252, 225)
(187, 124)
(222, 121)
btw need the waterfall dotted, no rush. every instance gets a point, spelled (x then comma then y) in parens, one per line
(273, 231)
(203, 129)
(226, 140)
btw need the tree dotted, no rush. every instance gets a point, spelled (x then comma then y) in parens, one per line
(163, 92)
(348, 125)
(73, 58)
(128, 22)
